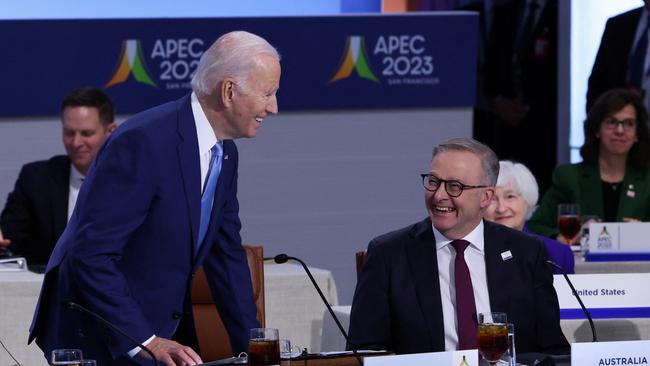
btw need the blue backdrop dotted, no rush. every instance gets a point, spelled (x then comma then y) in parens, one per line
(419, 60)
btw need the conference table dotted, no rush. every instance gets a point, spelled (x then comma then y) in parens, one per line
(292, 306)
(583, 267)
(578, 330)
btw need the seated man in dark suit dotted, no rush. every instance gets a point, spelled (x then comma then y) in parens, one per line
(422, 286)
(45, 194)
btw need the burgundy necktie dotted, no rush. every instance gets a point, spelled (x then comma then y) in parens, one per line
(465, 306)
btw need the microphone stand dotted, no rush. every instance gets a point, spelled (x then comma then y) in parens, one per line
(283, 258)
(575, 293)
(74, 306)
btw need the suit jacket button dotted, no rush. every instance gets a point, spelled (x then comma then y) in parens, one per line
(176, 315)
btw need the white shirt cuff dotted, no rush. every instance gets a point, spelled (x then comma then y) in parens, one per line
(135, 351)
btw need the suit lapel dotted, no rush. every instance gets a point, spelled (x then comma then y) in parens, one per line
(632, 181)
(497, 269)
(590, 186)
(59, 192)
(188, 156)
(423, 263)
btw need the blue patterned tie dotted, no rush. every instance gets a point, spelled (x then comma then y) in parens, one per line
(207, 197)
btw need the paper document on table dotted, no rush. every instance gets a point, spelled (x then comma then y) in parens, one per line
(15, 264)
(359, 352)
(242, 360)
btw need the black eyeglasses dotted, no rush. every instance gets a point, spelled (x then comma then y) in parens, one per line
(454, 188)
(628, 124)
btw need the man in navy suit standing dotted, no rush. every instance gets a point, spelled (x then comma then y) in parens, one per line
(422, 286)
(161, 200)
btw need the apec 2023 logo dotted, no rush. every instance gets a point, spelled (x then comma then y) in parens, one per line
(404, 60)
(176, 61)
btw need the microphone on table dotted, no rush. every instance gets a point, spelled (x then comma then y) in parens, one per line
(575, 293)
(74, 306)
(283, 258)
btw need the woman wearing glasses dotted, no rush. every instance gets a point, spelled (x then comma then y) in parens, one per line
(613, 181)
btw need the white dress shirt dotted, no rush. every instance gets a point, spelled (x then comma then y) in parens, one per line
(475, 259)
(76, 178)
(206, 137)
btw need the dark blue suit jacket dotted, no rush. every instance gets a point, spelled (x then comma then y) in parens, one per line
(397, 303)
(128, 252)
(613, 58)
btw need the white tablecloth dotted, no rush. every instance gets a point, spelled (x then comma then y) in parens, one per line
(292, 305)
(18, 295)
(583, 267)
(332, 339)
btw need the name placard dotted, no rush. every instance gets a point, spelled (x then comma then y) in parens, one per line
(453, 358)
(620, 295)
(610, 353)
(613, 237)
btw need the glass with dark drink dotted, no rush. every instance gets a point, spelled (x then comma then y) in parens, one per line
(264, 347)
(568, 221)
(492, 337)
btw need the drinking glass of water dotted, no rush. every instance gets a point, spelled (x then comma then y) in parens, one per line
(66, 357)
(511, 355)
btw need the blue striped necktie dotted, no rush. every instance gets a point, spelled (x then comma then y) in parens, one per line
(207, 197)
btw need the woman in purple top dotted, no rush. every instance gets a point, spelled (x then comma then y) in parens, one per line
(515, 197)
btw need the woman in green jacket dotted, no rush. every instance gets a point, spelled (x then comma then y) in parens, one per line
(613, 181)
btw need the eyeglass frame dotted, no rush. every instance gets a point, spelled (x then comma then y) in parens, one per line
(612, 123)
(463, 186)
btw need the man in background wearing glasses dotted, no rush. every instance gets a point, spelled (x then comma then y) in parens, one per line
(422, 286)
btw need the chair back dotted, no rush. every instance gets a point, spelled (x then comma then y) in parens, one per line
(210, 331)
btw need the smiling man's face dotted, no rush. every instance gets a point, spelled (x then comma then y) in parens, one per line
(250, 105)
(456, 217)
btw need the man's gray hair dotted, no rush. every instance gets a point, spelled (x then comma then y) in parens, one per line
(489, 160)
(518, 177)
(232, 55)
